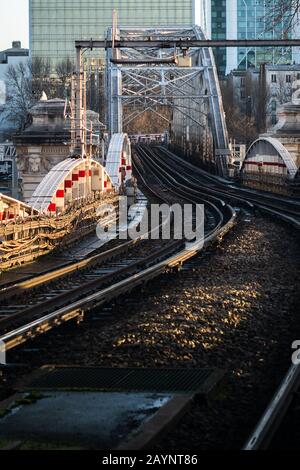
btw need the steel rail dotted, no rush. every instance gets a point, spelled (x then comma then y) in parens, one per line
(182, 191)
(160, 169)
(266, 203)
(61, 297)
(45, 278)
(225, 183)
(272, 417)
(197, 190)
(77, 308)
(86, 287)
(23, 286)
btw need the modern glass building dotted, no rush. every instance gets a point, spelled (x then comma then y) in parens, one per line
(56, 24)
(218, 31)
(254, 22)
(244, 19)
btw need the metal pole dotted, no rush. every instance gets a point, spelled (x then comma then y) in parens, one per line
(246, 11)
(14, 178)
(79, 102)
(255, 30)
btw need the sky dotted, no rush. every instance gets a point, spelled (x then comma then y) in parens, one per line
(13, 23)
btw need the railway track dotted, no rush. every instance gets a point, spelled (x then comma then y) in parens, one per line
(272, 418)
(288, 210)
(32, 307)
(284, 208)
(55, 289)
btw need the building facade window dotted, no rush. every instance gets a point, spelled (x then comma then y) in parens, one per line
(288, 79)
(273, 78)
(56, 24)
(251, 24)
(218, 31)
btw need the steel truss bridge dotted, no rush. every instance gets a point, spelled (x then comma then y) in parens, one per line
(183, 80)
(161, 67)
(148, 70)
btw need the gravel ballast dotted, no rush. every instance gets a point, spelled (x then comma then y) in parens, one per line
(234, 308)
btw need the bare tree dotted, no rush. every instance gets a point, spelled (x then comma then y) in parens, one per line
(286, 11)
(26, 83)
(64, 71)
(283, 90)
(241, 123)
(39, 72)
(95, 94)
(19, 95)
(260, 94)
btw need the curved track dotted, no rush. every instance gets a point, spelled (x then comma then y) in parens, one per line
(67, 293)
(173, 168)
(285, 208)
(275, 412)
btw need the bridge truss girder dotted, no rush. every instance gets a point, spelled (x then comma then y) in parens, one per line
(144, 79)
(143, 86)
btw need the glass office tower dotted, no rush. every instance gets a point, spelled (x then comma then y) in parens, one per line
(218, 31)
(254, 22)
(56, 24)
(244, 19)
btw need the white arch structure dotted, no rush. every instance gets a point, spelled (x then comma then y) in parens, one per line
(74, 180)
(268, 155)
(79, 179)
(69, 181)
(118, 159)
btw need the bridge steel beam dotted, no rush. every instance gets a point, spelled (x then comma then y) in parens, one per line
(184, 42)
(219, 127)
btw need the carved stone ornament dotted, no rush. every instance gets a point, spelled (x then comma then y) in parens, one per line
(34, 164)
